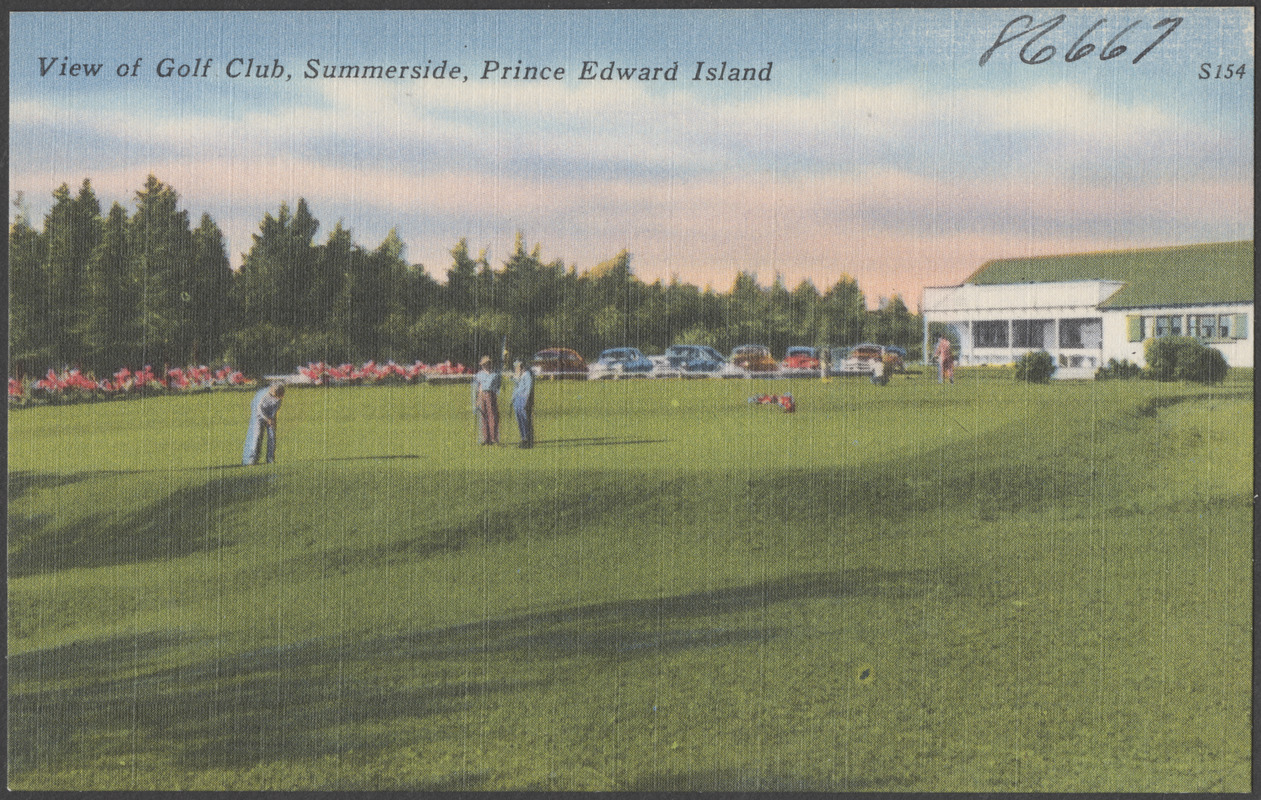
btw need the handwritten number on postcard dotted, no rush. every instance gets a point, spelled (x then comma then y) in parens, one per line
(1024, 25)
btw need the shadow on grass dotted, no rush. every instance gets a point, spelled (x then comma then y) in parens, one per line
(743, 780)
(1150, 407)
(23, 481)
(596, 441)
(361, 458)
(326, 696)
(187, 521)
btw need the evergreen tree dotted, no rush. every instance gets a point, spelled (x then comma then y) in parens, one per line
(280, 274)
(30, 345)
(747, 306)
(72, 231)
(210, 291)
(391, 272)
(337, 257)
(780, 331)
(805, 312)
(461, 279)
(160, 245)
(843, 313)
(111, 333)
(894, 324)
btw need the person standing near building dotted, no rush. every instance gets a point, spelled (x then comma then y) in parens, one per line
(523, 402)
(263, 424)
(486, 402)
(945, 361)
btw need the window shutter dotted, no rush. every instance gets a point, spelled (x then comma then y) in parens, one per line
(1134, 327)
(1239, 328)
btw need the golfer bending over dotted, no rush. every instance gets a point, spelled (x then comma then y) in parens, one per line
(263, 421)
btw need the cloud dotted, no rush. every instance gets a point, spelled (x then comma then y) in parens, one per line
(884, 182)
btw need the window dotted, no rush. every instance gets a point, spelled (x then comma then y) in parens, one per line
(1029, 333)
(1134, 328)
(1081, 333)
(1202, 326)
(990, 333)
(1169, 326)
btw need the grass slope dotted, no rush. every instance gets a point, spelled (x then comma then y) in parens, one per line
(981, 587)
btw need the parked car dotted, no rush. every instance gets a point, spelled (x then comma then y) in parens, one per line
(836, 357)
(620, 361)
(559, 362)
(754, 358)
(861, 358)
(801, 359)
(694, 359)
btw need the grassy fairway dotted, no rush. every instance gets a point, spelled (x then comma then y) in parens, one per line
(979, 587)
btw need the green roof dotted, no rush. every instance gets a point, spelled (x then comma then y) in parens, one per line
(1163, 276)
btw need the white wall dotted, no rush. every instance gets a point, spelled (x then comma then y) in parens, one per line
(962, 306)
(1238, 352)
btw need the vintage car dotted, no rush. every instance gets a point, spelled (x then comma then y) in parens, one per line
(694, 360)
(618, 362)
(801, 359)
(559, 362)
(754, 358)
(861, 359)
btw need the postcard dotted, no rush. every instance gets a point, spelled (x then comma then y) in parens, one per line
(631, 400)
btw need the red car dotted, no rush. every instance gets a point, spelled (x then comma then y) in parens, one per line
(803, 358)
(559, 362)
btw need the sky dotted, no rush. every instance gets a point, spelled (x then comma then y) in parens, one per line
(880, 147)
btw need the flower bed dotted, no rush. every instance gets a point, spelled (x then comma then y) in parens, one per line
(321, 374)
(71, 385)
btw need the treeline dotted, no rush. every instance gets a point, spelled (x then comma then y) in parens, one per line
(103, 291)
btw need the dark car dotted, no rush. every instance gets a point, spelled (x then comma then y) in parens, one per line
(559, 362)
(619, 361)
(754, 358)
(801, 358)
(694, 359)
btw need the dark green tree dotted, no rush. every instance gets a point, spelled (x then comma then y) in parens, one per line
(843, 313)
(30, 344)
(805, 314)
(112, 333)
(160, 245)
(461, 288)
(209, 287)
(72, 231)
(280, 273)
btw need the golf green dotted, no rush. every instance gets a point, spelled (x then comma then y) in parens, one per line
(990, 586)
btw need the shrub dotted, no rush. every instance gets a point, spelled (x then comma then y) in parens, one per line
(1183, 358)
(1035, 367)
(1123, 369)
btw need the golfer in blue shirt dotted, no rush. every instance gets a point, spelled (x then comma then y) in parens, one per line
(263, 424)
(523, 402)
